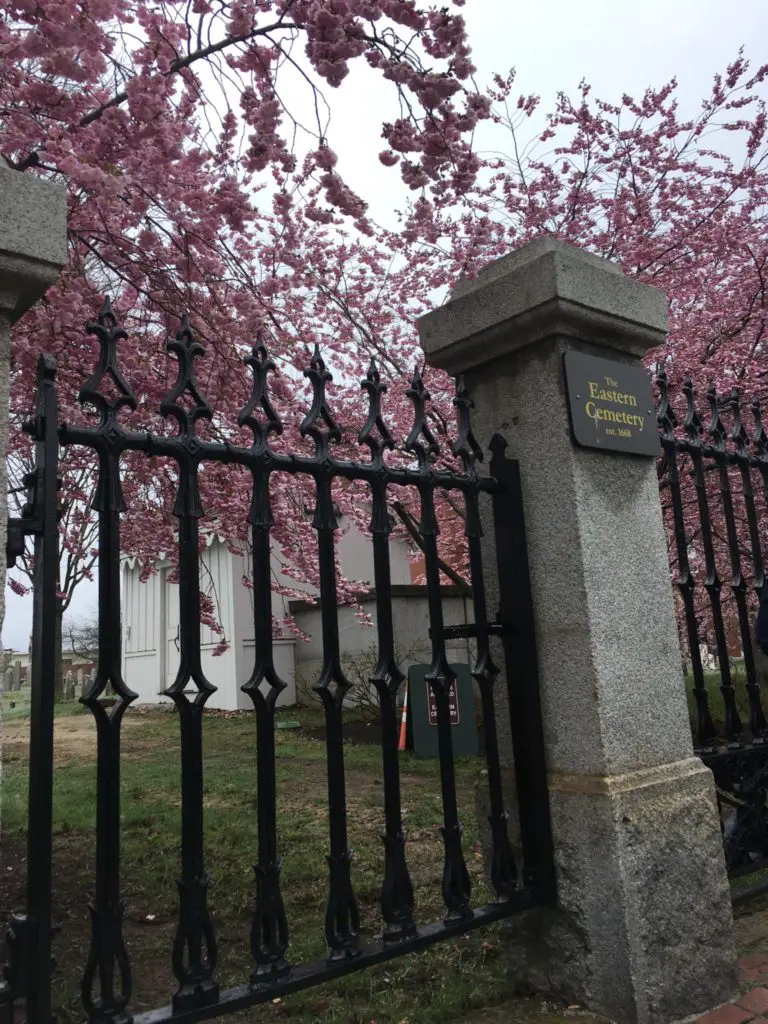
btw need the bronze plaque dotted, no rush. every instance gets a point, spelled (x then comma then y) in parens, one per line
(610, 405)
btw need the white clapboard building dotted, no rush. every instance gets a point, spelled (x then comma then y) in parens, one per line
(151, 621)
(151, 624)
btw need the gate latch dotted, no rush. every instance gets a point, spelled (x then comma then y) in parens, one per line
(29, 523)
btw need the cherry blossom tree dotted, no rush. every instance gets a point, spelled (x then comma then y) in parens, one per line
(197, 185)
(677, 200)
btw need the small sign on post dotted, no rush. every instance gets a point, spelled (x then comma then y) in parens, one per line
(453, 704)
(422, 713)
(610, 405)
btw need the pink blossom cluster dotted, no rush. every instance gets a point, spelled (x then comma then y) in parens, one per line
(188, 192)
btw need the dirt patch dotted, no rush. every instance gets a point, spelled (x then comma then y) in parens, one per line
(74, 739)
(74, 735)
(356, 732)
(365, 734)
(533, 1011)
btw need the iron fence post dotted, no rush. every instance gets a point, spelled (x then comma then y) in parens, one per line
(37, 985)
(520, 659)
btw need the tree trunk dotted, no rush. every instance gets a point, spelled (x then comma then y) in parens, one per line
(59, 680)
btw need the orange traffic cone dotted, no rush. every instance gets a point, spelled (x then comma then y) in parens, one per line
(401, 744)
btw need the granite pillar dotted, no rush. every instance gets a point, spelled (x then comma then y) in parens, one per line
(33, 249)
(642, 930)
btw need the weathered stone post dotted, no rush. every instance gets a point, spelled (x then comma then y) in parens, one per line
(643, 928)
(5, 664)
(33, 249)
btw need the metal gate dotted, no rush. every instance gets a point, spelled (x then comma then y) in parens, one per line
(106, 979)
(714, 486)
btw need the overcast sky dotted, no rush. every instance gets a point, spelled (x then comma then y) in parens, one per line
(618, 47)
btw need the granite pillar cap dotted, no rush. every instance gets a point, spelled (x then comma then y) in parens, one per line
(33, 239)
(543, 289)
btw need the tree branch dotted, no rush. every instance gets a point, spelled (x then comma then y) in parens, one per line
(409, 523)
(32, 159)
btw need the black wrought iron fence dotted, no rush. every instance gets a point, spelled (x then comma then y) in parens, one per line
(714, 486)
(106, 979)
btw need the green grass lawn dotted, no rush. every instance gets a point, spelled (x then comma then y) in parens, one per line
(713, 683)
(14, 706)
(714, 696)
(439, 985)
